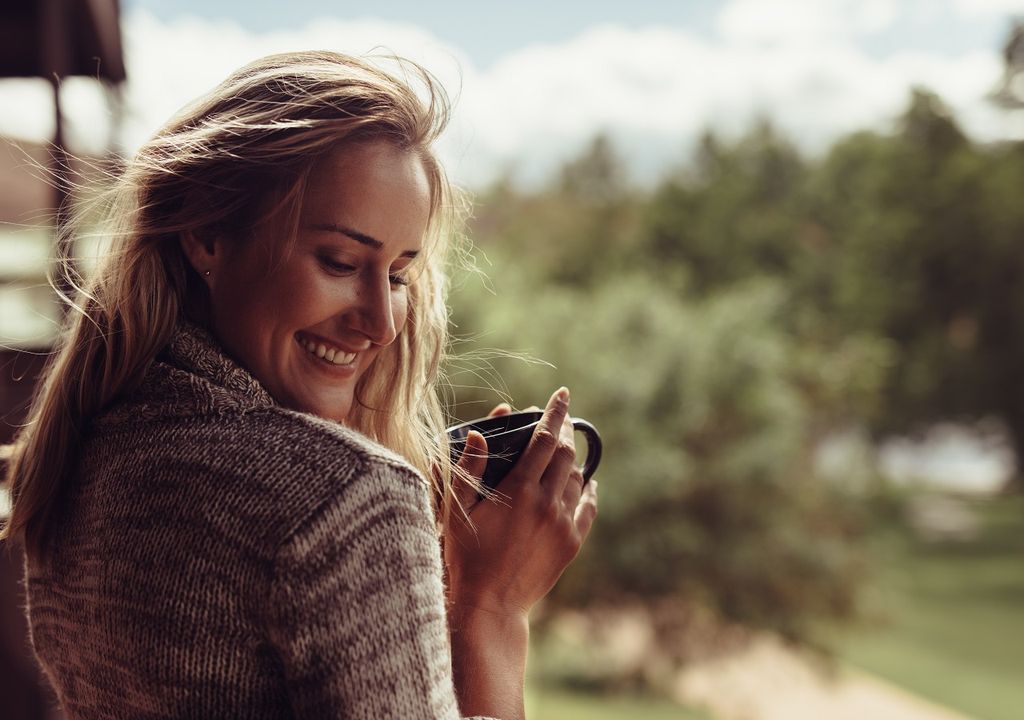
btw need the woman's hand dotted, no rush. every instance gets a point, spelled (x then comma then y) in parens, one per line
(509, 556)
(524, 536)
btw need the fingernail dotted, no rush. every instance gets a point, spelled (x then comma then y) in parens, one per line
(563, 394)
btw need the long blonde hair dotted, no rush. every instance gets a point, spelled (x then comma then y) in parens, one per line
(227, 162)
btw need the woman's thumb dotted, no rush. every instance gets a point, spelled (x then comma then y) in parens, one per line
(473, 461)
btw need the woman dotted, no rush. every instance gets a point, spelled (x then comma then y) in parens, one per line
(222, 489)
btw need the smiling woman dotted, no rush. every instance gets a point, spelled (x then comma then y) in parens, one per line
(232, 490)
(311, 328)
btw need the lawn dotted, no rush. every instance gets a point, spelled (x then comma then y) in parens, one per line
(945, 620)
(547, 704)
(948, 617)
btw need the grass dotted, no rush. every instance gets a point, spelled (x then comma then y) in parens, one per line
(949, 617)
(946, 622)
(568, 680)
(548, 704)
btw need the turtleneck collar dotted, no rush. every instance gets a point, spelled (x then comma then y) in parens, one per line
(195, 350)
(192, 376)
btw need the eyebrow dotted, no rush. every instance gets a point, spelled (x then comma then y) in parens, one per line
(361, 238)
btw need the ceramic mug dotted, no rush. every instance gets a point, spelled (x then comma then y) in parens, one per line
(507, 437)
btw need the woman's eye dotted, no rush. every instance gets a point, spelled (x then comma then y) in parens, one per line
(336, 267)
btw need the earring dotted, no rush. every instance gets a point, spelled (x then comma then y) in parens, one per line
(206, 274)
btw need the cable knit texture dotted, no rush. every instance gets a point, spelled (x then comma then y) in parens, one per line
(219, 556)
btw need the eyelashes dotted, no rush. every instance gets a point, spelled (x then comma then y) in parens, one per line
(336, 267)
(341, 269)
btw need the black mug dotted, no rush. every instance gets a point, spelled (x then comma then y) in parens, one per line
(507, 437)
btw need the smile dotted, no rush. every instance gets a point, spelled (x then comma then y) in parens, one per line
(334, 355)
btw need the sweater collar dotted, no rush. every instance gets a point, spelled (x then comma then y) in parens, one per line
(195, 350)
(192, 376)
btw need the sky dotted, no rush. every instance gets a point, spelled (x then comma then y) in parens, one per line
(535, 81)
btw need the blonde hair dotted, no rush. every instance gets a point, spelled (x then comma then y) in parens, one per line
(231, 160)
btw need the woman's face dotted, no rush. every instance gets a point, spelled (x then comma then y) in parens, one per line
(310, 327)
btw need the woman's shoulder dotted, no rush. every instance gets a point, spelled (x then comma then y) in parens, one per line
(327, 465)
(317, 441)
(224, 410)
(275, 445)
(203, 426)
(238, 461)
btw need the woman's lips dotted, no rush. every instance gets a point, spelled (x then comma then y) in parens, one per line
(323, 350)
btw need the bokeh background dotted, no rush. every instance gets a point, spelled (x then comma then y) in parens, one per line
(776, 250)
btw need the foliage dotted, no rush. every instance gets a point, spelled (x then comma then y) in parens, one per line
(925, 228)
(719, 326)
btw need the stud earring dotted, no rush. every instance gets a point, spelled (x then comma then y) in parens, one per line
(206, 274)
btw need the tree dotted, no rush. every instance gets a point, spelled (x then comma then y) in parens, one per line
(924, 232)
(732, 215)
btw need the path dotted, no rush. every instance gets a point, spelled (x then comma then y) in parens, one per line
(768, 681)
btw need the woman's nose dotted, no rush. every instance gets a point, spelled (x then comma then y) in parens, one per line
(376, 319)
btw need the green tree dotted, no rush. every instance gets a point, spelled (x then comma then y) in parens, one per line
(732, 215)
(578, 231)
(923, 230)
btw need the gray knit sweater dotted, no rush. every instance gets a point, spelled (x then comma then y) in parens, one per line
(219, 556)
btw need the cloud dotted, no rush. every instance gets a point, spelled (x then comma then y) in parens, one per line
(653, 90)
(980, 8)
(171, 63)
(804, 21)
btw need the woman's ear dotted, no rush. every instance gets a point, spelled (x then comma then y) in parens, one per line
(204, 253)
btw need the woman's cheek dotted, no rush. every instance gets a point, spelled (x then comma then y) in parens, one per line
(401, 310)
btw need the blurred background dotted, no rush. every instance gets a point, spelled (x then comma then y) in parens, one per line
(774, 247)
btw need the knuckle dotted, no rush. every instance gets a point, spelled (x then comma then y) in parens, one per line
(566, 453)
(542, 504)
(545, 439)
(528, 494)
(553, 510)
(588, 507)
(573, 545)
(568, 527)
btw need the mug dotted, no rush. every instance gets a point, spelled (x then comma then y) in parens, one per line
(507, 437)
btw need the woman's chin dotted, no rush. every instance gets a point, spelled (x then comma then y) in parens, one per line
(335, 409)
(330, 403)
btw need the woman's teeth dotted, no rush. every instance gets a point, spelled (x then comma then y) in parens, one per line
(329, 354)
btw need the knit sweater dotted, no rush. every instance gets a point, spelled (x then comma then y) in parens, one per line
(219, 556)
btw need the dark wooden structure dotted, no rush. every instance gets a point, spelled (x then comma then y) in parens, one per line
(50, 39)
(55, 39)
(61, 38)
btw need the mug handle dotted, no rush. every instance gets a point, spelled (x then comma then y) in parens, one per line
(593, 446)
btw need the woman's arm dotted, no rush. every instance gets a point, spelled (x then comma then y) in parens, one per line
(511, 558)
(356, 610)
(489, 661)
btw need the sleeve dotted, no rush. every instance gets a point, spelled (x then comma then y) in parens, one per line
(357, 606)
